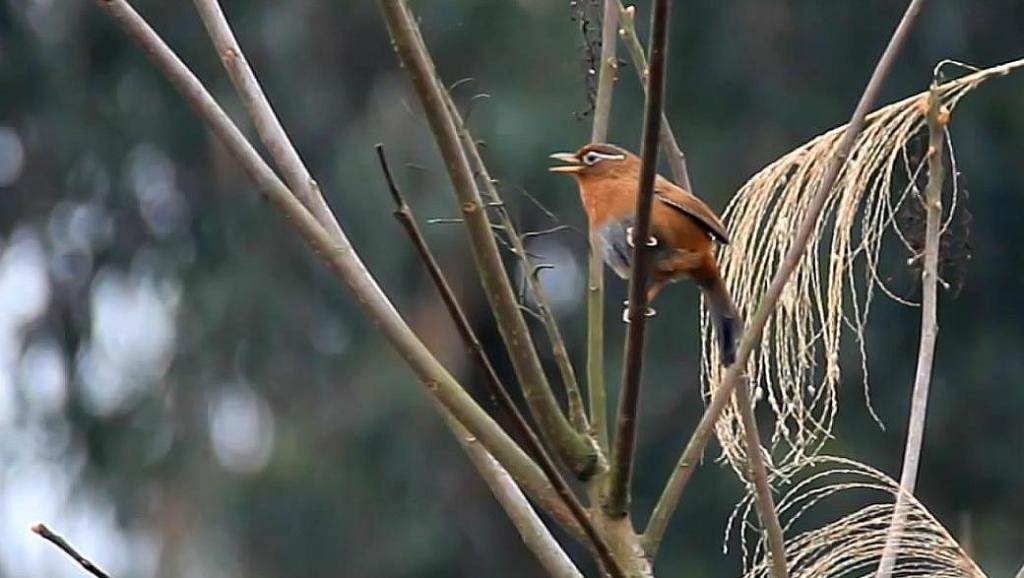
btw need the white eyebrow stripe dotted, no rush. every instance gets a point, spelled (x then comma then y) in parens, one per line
(607, 156)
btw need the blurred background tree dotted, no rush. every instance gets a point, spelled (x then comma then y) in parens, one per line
(185, 391)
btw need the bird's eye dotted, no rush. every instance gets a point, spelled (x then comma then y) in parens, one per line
(591, 158)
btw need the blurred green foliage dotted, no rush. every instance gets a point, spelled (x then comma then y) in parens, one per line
(258, 426)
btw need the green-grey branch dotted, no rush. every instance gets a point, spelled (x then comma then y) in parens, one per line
(575, 449)
(669, 144)
(577, 412)
(268, 127)
(596, 392)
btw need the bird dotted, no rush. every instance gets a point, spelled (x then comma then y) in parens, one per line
(683, 231)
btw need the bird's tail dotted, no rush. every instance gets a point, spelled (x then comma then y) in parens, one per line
(724, 317)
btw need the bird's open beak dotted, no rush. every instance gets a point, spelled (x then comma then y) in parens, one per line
(572, 163)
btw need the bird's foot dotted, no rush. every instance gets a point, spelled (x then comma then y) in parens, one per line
(648, 312)
(652, 241)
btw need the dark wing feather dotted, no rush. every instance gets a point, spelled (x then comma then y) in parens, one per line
(691, 206)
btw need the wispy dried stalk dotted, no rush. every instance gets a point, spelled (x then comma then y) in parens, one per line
(852, 544)
(575, 449)
(522, 428)
(624, 442)
(766, 307)
(937, 117)
(797, 370)
(596, 392)
(67, 548)
(337, 252)
(669, 145)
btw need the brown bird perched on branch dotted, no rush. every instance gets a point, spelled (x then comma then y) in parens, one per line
(682, 230)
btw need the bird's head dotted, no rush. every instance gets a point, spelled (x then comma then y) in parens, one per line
(596, 160)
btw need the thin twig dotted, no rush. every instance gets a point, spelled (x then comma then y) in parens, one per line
(58, 541)
(669, 144)
(521, 427)
(268, 127)
(723, 393)
(574, 448)
(759, 477)
(544, 314)
(339, 255)
(937, 117)
(596, 393)
(624, 442)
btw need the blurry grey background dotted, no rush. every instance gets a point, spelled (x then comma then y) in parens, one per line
(184, 390)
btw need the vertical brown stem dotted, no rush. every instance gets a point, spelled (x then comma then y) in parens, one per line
(624, 443)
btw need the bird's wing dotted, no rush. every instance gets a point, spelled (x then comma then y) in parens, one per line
(688, 204)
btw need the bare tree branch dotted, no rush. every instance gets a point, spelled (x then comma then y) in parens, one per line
(624, 442)
(575, 449)
(723, 393)
(577, 413)
(522, 428)
(669, 144)
(268, 127)
(596, 393)
(337, 252)
(759, 477)
(937, 117)
(68, 549)
(606, 73)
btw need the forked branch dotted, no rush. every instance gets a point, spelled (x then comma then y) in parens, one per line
(937, 118)
(766, 307)
(339, 255)
(574, 399)
(522, 428)
(268, 127)
(575, 449)
(624, 443)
